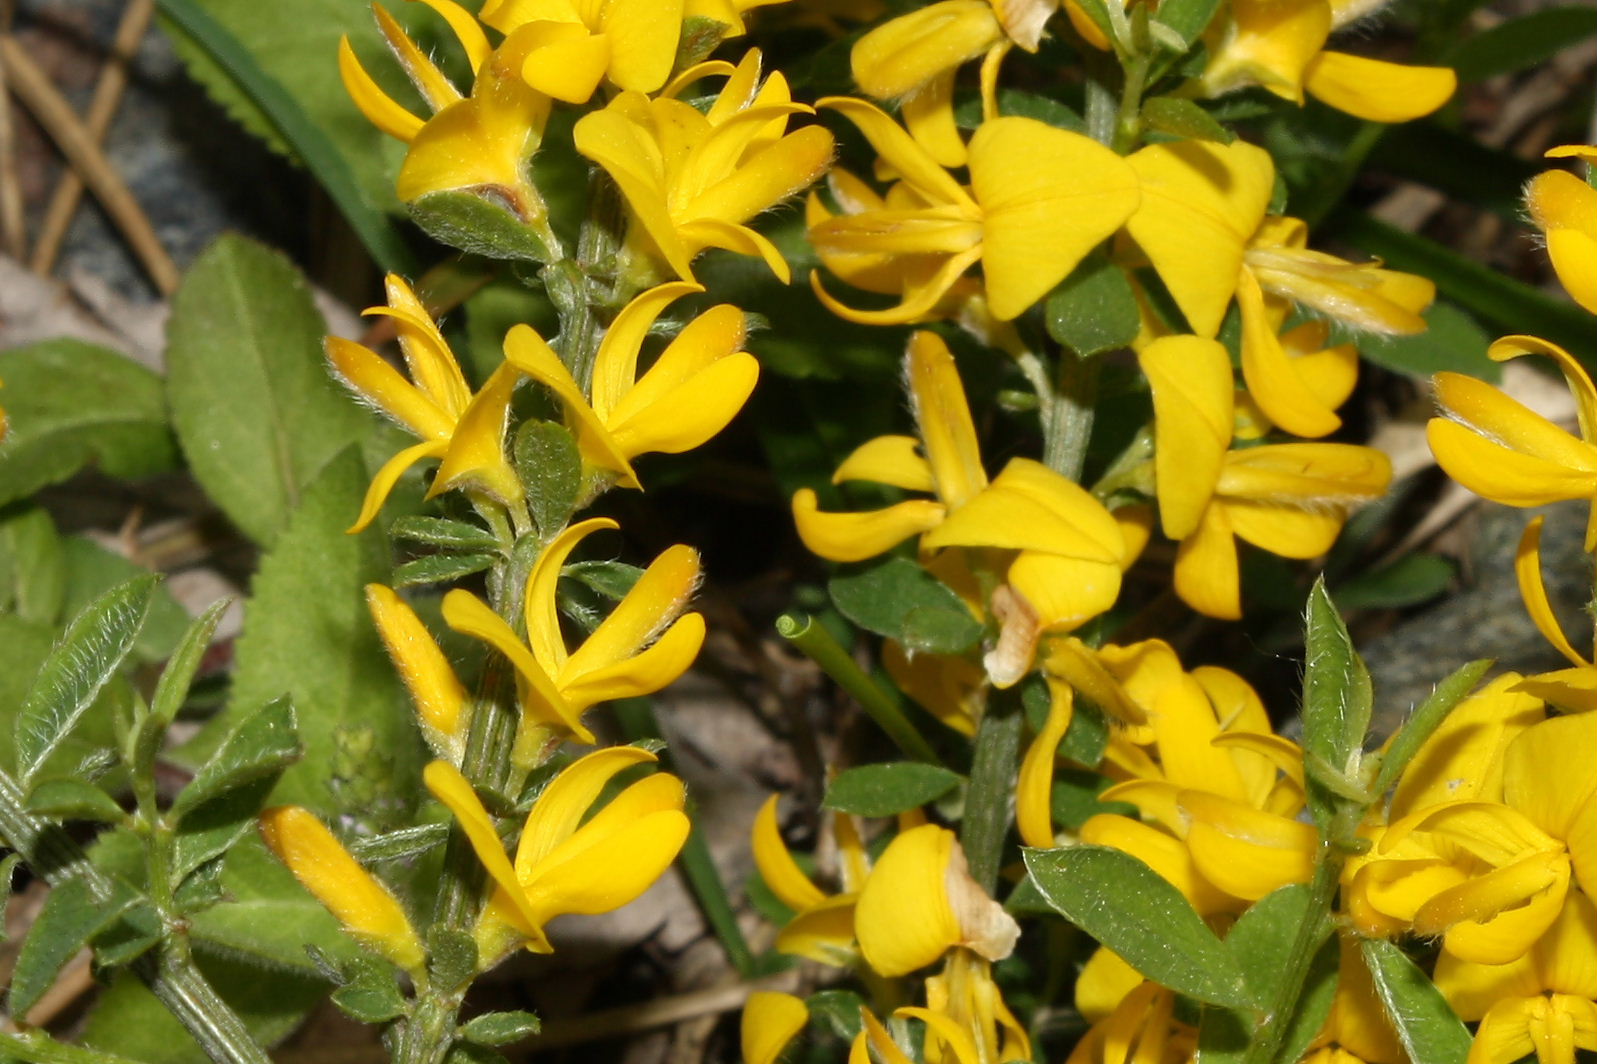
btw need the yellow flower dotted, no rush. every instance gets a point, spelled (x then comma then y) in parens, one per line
(919, 901)
(691, 179)
(914, 59)
(482, 143)
(1280, 45)
(698, 383)
(949, 688)
(1499, 449)
(822, 927)
(965, 994)
(1544, 1003)
(1492, 877)
(565, 863)
(727, 12)
(1040, 199)
(643, 645)
(1290, 499)
(1144, 1018)
(770, 1021)
(366, 908)
(1574, 688)
(1565, 208)
(576, 44)
(1278, 266)
(466, 431)
(443, 708)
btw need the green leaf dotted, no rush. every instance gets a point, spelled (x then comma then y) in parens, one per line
(451, 957)
(1094, 309)
(173, 688)
(70, 917)
(92, 570)
(1410, 580)
(307, 635)
(442, 532)
(32, 566)
(268, 920)
(271, 66)
(370, 994)
(895, 597)
(612, 579)
(85, 659)
(69, 404)
(211, 829)
(399, 845)
(1181, 117)
(263, 744)
(252, 401)
(1188, 18)
(74, 799)
(839, 1010)
(440, 569)
(1521, 43)
(1427, 1026)
(1128, 907)
(500, 1028)
(1453, 342)
(479, 226)
(128, 937)
(550, 468)
(888, 789)
(1426, 718)
(8, 869)
(1494, 298)
(1337, 697)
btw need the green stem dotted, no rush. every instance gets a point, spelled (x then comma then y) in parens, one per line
(992, 784)
(1128, 117)
(37, 1047)
(819, 646)
(1068, 426)
(1316, 924)
(597, 243)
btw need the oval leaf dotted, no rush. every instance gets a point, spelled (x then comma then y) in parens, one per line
(897, 598)
(1428, 1027)
(1128, 907)
(888, 789)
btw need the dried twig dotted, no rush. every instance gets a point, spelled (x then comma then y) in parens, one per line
(102, 108)
(57, 117)
(13, 233)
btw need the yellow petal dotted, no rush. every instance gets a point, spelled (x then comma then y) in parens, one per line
(1284, 530)
(528, 352)
(942, 1028)
(659, 596)
(1377, 91)
(853, 537)
(1549, 775)
(1030, 507)
(475, 460)
(943, 415)
(823, 933)
(615, 367)
(428, 359)
(540, 604)
(564, 60)
(614, 138)
(378, 107)
(565, 801)
(1273, 380)
(777, 867)
(912, 163)
(1033, 788)
(1512, 477)
(1207, 575)
(894, 460)
(1504, 1034)
(1192, 405)
(1076, 664)
(389, 475)
(651, 670)
(1200, 203)
(770, 1021)
(921, 294)
(1104, 982)
(1048, 197)
(469, 615)
(1309, 475)
(1575, 375)
(1065, 593)
(1163, 853)
(929, 116)
(1528, 570)
(904, 53)
(643, 41)
(466, 30)
(1269, 43)
(455, 792)
(373, 379)
(436, 691)
(1245, 851)
(427, 78)
(1565, 208)
(366, 908)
